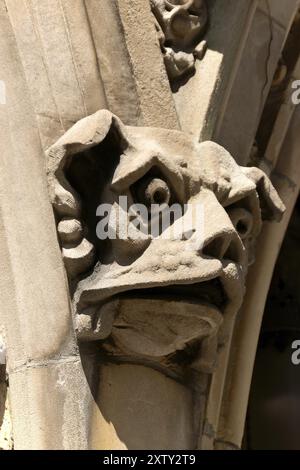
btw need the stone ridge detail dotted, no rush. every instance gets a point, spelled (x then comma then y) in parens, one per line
(181, 25)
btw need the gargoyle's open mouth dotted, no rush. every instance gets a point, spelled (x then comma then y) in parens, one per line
(207, 292)
(158, 322)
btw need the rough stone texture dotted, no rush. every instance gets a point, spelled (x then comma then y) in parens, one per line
(33, 285)
(155, 100)
(245, 106)
(201, 102)
(130, 396)
(50, 384)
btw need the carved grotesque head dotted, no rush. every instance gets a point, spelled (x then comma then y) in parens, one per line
(180, 24)
(162, 297)
(182, 21)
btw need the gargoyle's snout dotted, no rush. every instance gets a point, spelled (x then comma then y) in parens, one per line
(225, 246)
(215, 235)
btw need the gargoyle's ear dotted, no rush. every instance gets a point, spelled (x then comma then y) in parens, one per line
(84, 135)
(272, 208)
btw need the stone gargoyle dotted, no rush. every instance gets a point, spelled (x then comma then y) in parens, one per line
(159, 299)
(181, 25)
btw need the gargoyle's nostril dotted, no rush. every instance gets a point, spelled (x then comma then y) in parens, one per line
(224, 247)
(233, 252)
(243, 221)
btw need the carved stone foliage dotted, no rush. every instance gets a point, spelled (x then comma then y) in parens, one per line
(160, 300)
(181, 25)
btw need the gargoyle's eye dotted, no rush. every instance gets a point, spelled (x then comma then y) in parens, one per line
(152, 191)
(243, 221)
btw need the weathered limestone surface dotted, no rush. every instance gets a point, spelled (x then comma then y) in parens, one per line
(262, 52)
(130, 396)
(37, 317)
(201, 101)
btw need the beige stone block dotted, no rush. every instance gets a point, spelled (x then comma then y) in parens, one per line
(140, 408)
(157, 107)
(251, 87)
(44, 411)
(200, 100)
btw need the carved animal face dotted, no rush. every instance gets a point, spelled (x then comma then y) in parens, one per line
(158, 295)
(182, 21)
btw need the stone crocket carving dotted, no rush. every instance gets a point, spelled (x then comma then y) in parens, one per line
(162, 299)
(180, 25)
